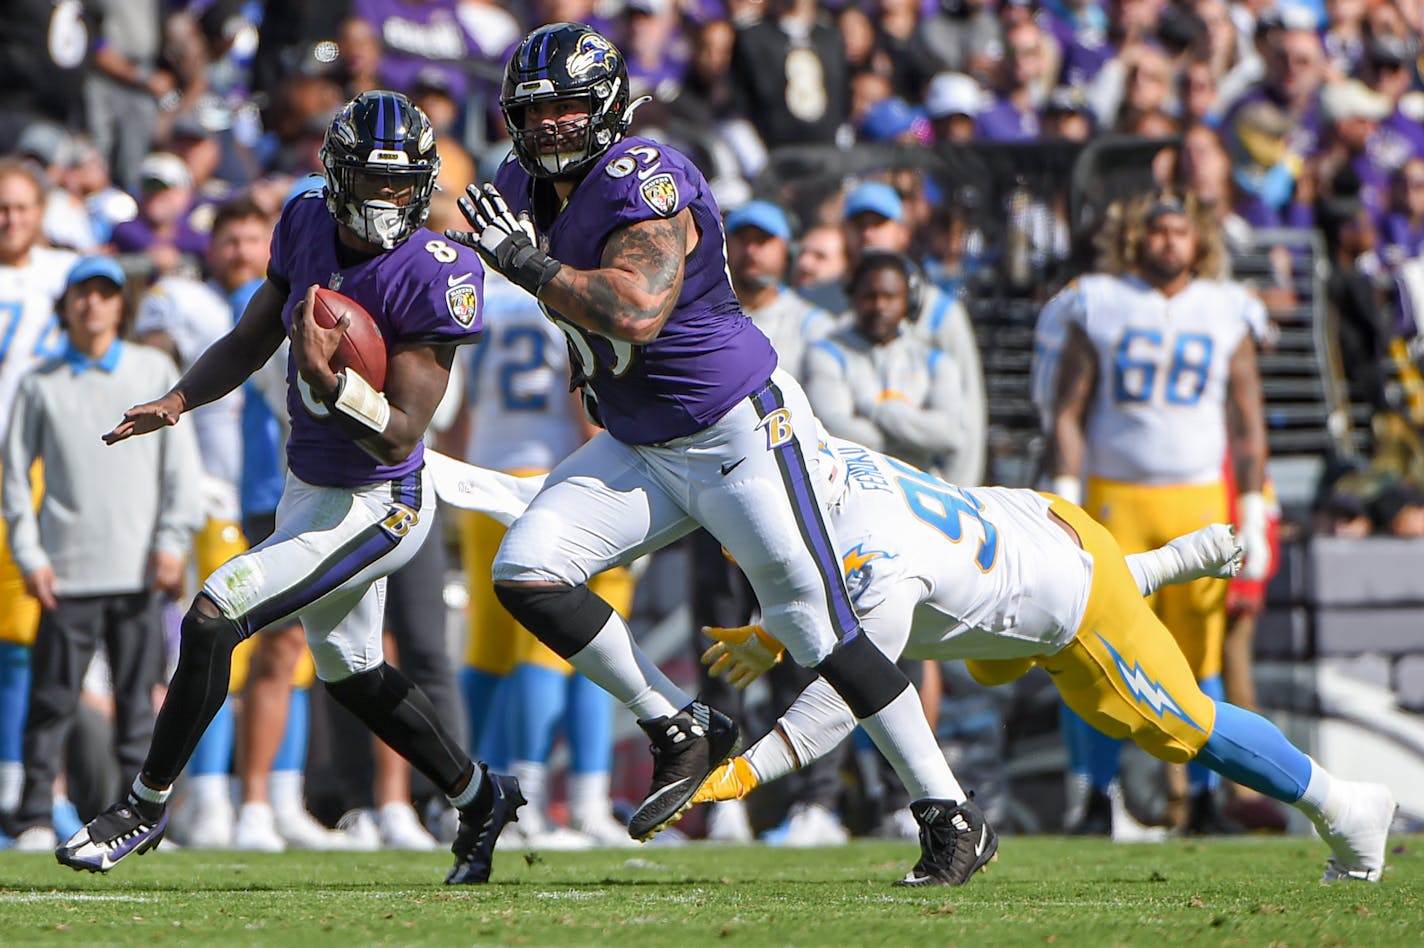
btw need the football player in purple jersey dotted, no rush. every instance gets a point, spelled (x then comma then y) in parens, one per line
(357, 501)
(621, 242)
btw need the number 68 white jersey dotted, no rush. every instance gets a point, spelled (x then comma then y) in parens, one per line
(1159, 414)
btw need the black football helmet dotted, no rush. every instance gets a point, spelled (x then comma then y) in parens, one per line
(380, 163)
(566, 61)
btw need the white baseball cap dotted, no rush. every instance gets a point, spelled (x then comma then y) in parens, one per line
(953, 93)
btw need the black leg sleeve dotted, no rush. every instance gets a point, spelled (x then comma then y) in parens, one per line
(400, 714)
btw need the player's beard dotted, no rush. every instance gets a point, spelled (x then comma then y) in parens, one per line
(1159, 271)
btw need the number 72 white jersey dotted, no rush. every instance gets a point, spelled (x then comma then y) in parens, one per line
(1159, 413)
(522, 417)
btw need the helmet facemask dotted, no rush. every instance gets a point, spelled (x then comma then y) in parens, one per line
(382, 207)
(583, 140)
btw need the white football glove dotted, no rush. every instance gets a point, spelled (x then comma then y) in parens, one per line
(505, 242)
(1251, 535)
(741, 655)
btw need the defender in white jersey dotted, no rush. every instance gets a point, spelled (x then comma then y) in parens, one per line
(1156, 381)
(1009, 578)
(31, 280)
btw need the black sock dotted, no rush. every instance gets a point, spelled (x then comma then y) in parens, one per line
(400, 714)
(196, 692)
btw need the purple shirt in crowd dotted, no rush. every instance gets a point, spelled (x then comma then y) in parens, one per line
(417, 36)
(427, 290)
(709, 355)
(1002, 122)
(136, 236)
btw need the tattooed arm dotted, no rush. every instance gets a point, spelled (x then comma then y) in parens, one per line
(631, 295)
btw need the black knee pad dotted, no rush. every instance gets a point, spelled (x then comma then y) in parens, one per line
(208, 632)
(565, 618)
(862, 675)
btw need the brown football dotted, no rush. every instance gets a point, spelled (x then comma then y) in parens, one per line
(362, 348)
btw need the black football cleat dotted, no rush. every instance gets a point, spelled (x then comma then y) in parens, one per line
(480, 829)
(687, 747)
(1204, 818)
(125, 829)
(1097, 816)
(956, 841)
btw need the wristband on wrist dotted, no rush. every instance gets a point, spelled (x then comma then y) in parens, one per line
(1251, 508)
(357, 400)
(526, 265)
(1068, 487)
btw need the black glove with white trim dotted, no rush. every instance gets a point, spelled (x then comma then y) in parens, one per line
(503, 241)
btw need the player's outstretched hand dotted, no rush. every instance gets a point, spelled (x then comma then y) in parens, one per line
(150, 416)
(741, 655)
(731, 781)
(313, 345)
(504, 241)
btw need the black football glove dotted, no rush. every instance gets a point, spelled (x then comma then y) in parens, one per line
(503, 241)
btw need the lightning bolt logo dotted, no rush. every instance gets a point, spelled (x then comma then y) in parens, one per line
(1144, 689)
(856, 558)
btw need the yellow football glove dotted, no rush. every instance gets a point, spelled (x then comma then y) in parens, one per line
(731, 781)
(740, 655)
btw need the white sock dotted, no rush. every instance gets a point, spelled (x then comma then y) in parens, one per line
(589, 790)
(771, 758)
(615, 663)
(1322, 800)
(147, 793)
(209, 789)
(533, 782)
(12, 781)
(287, 790)
(902, 734)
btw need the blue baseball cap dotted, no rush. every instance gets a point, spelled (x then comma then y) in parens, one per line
(762, 215)
(888, 119)
(90, 267)
(877, 198)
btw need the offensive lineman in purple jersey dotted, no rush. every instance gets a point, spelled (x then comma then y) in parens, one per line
(619, 239)
(357, 502)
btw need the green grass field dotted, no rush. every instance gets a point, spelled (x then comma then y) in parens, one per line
(1041, 891)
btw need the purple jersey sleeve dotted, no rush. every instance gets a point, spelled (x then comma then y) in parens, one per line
(436, 292)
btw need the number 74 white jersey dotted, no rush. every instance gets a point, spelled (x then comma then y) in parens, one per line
(1159, 413)
(972, 572)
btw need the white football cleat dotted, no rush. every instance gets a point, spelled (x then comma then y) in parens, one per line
(36, 839)
(727, 822)
(1359, 836)
(598, 824)
(300, 830)
(256, 830)
(359, 828)
(401, 829)
(810, 824)
(1211, 551)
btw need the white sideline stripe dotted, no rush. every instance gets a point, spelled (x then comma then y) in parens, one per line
(25, 897)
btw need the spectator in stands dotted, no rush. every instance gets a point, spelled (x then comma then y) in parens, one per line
(1344, 36)
(1344, 166)
(164, 230)
(1295, 71)
(433, 95)
(898, 35)
(895, 120)
(1398, 511)
(868, 89)
(1080, 28)
(96, 566)
(1198, 94)
(44, 60)
(952, 104)
(1066, 116)
(965, 36)
(128, 82)
(655, 47)
(301, 111)
(789, 73)
(862, 52)
(1231, 70)
(1390, 68)
(416, 35)
(874, 382)
(67, 222)
(360, 62)
(1014, 114)
(707, 89)
(1363, 326)
(1148, 88)
(820, 261)
(874, 219)
(1403, 226)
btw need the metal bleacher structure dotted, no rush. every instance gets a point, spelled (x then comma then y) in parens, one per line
(1340, 649)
